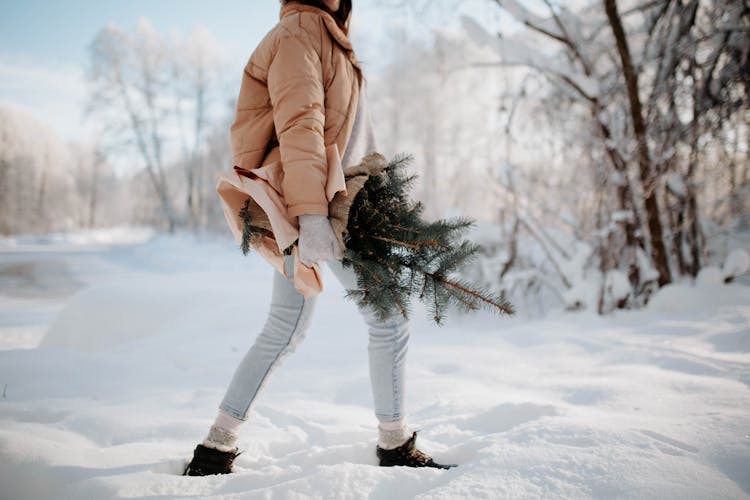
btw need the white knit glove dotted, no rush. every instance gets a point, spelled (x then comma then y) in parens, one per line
(316, 240)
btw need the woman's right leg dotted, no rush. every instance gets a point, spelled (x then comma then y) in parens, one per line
(287, 323)
(387, 348)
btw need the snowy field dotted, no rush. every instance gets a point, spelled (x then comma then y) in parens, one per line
(116, 347)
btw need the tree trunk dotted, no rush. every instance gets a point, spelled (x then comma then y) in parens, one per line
(648, 179)
(691, 206)
(94, 195)
(5, 226)
(42, 195)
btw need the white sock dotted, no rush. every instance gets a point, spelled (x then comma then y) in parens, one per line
(223, 433)
(392, 434)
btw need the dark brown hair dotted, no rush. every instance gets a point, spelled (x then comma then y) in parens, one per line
(341, 16)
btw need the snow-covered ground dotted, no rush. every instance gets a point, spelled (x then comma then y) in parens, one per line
(115, 352)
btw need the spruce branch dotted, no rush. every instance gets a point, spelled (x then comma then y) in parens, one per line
(415, 245)
(387, 232)
(499, 304)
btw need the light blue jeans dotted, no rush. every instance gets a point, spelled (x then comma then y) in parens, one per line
(288, 321)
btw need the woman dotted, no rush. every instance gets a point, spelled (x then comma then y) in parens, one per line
(299, 106)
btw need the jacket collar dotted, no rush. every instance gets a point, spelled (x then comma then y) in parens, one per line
(333, 28)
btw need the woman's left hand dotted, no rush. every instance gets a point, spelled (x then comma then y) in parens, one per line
(317, 242)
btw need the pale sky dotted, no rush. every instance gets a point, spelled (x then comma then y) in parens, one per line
(43, 43)
(54, 31)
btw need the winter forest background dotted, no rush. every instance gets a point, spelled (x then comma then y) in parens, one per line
(601, 146)
(603, 149)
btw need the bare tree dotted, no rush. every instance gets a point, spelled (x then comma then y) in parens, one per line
(647, 175)
(667, 98)
(129, 77)
(580, 77)
(36, 188)
(90, 171)
(195, 72)
(154, 96)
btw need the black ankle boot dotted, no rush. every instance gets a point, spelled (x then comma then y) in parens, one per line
(207, 461)
(407, 454)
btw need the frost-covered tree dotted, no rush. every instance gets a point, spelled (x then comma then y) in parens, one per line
(46, 183)
(152, 93)
(427, 105)
(195, 76)
(697, 75)
(633, 90)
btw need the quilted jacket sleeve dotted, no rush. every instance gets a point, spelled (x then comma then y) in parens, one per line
(295, 86)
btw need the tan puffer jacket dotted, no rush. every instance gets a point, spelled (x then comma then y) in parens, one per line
(297, 104)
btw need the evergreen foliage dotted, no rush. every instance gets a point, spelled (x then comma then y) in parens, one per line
(397, 255)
